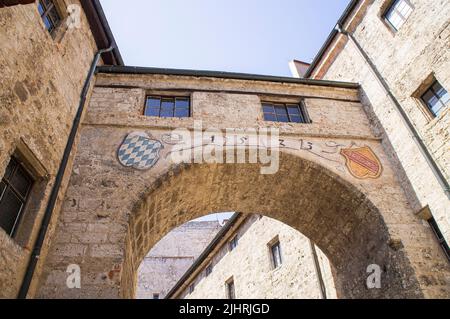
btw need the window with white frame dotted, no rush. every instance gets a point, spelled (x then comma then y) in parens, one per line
(398, 13)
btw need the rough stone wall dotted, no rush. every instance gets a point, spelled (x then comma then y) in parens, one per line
(250, 266)
(406, 59)
(40, 84)
(113, 215)
(171, 257)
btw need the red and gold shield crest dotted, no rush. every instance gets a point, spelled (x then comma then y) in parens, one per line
(362, 162)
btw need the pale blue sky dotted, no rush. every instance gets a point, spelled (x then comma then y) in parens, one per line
(249, 36)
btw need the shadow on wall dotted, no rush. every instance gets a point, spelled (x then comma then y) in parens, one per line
(334, 214)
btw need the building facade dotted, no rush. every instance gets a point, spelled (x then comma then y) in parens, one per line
(258, 258)
(399, 52)
(356, 213)
(171, 257)
(44, 60)
(89, 191)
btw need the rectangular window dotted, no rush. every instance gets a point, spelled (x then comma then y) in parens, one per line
(277, 112)
(398, 13)
(162, 106)
(49, 14)
(156, 296)
(434, 226)
(209, 270)
(436, 98)
(15, 188)
(275, 251)
(231, 293)
(233, 243)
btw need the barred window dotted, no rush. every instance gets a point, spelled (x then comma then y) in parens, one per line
(15, 188)
(162, 106)
(398, 13)
(49, 14)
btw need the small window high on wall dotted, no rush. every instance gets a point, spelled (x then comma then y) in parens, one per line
(275, 251)
(15, 188)
(164, 106)
(231, 289)
(436, 98)
(49, 14)
(397, 14)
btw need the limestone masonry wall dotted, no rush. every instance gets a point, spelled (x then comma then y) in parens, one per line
(40, 84)
(112, 214)
(407, 59)
(250, 265)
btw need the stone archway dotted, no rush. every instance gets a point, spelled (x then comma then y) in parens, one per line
(333, 213)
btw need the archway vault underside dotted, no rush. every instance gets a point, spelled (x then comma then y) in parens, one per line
(356, 223)
(335, 215)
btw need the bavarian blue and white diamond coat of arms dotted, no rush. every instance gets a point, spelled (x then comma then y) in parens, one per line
(139, 151)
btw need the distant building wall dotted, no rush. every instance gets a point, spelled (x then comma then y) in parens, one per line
(172, 256)
(251, 267)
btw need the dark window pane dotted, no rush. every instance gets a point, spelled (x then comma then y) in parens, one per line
(182, 113)
(2, 188)
(40, 8)
(166, 113)
(54, 16)
(182, 103)
(231, 292)
(152, 111)
(296, 119)
(153, 102)
(167, 104)
(293, 109)
(283, 118)
(430, 99)
(21, 181)
(270, 117)
(10, 208)
(441, 93)
(280, 110)
(276, 255)
(268, 108)
(48, 24)
(10, 169)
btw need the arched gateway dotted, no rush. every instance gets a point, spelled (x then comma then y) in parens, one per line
(332, 181)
